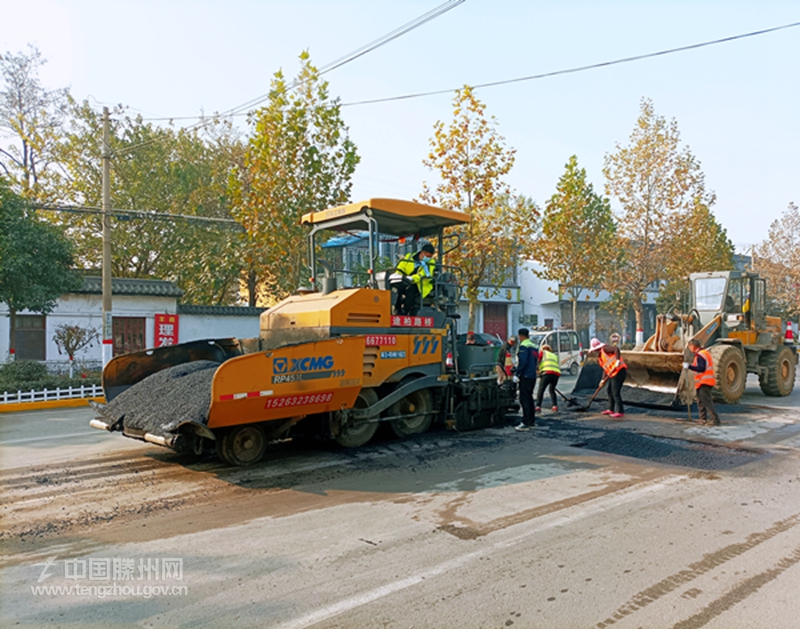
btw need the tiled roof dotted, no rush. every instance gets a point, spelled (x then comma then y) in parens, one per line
(131, 286)
(225, 311)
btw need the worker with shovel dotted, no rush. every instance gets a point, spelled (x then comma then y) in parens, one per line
(550, 372)
(614, 372)
(704, 382)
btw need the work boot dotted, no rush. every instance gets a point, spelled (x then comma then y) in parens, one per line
(712, 422)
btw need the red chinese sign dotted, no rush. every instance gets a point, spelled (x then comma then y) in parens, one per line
(412, 322)
(166, 330)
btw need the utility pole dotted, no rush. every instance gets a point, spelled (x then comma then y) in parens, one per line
(108, 338)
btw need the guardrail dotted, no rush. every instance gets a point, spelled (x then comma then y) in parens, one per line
(47, 395)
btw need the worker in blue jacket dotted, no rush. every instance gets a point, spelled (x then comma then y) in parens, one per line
(527, 368)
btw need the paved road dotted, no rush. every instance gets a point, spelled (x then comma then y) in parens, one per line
(586, 522)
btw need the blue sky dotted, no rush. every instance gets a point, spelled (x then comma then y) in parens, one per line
(736, 103)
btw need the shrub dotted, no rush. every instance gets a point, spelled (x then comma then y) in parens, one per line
(22, 370)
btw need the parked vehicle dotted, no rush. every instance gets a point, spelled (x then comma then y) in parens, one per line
(482, 338)
(565, 344)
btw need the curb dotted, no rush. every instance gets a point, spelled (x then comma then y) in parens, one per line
(15, 407)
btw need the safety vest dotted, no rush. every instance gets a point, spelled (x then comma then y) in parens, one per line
(611, 364)
(707, 376)
(420, 271)
(549, 363)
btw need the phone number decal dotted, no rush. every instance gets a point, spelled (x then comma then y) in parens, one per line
(299, 400)
(376, 340)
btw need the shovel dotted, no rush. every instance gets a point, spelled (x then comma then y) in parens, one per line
(570, 401)
(594, 395)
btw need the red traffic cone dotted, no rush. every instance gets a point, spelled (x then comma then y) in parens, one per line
(789, 338)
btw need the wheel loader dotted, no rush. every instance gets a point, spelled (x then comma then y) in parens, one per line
(728, 317)
(330, 362)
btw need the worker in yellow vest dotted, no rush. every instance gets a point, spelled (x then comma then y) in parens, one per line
(549, 373)
(419, 268)
(704, 382)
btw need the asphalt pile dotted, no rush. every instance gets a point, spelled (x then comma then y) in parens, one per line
(166, 398)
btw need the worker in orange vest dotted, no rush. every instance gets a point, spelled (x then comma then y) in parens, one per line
(615, 371)
(704, 382)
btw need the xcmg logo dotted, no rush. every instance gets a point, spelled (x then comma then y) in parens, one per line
(300, 365)
(426, 344)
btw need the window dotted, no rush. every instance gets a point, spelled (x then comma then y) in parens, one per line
(29, 337)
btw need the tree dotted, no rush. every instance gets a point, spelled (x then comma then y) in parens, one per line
(471, 160)
(658, 185)
(35, 260)
(33, 116)
(716, 254)
(299, 159)
(778, 260)
(578, 247)
(161, 172)
(72, 339)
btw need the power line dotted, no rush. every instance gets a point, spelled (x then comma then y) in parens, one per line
(592, 66)
(543, 75)
(127, 214)
(359, 52)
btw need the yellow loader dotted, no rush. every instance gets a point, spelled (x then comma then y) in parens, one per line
(728, 317)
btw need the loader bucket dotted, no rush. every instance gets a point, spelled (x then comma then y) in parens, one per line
(654, 379)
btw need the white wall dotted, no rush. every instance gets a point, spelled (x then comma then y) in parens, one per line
(197, 327)
(538, 296)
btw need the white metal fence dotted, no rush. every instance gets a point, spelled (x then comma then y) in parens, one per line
(45, 395)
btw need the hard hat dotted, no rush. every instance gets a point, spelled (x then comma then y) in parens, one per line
(595, 344)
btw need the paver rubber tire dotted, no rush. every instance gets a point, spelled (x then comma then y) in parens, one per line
(417, 407)
(730, 372)
(243, 445)
(781, 366)
(356, 434)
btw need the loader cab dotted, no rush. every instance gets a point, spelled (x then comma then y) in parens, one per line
(738, 296)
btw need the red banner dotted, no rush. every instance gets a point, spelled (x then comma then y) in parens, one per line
(166, 330)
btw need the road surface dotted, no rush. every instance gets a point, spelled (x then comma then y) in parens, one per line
(584, 522)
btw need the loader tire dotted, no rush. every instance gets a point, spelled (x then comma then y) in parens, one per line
(730, 372)
(356, 434)
(781, 366)
(242, 445)
(417, 408)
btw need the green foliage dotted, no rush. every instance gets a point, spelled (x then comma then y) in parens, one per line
(35, 258)
(157, 170)
(27, 375)
(777, 259)
(298, 160)
(22, 371)
(665, 227)
(33, 116)
(578, 246)
(471, 160)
